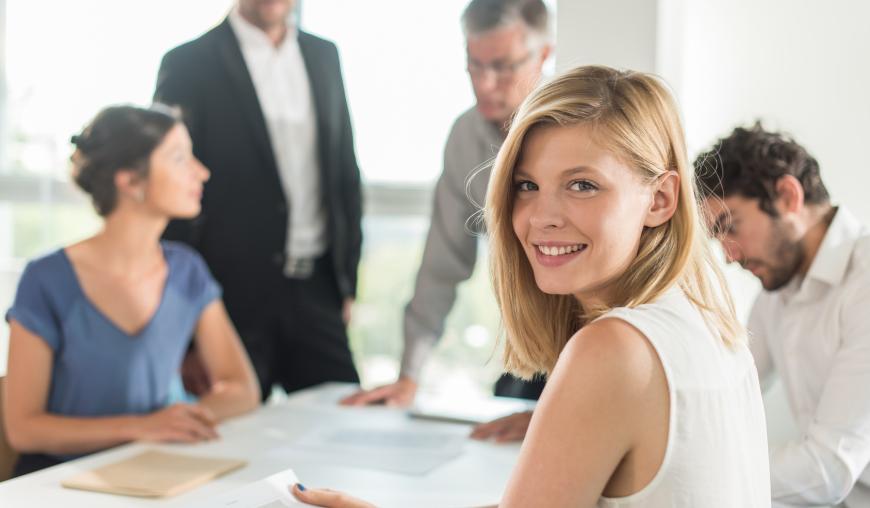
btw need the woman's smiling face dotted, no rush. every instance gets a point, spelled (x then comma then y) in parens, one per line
(578, 211)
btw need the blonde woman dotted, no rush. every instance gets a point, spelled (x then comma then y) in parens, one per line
(606, 282)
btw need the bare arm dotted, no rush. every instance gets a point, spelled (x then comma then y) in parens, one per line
(234, 389)
(604, 410)
(600, 427)
(30, 428)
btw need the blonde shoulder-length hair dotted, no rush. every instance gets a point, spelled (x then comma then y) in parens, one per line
(635, 117)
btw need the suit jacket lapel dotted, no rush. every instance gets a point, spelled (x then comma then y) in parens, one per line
(231, 55)
(319, 84)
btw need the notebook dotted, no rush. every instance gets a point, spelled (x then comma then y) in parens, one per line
(474, 411)
(153, 474)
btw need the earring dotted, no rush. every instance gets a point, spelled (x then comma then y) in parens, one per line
(139, 195)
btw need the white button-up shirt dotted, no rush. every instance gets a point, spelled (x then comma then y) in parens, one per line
(284, 92)
(815, 333)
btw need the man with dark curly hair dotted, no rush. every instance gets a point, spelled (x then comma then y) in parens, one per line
(771, 211)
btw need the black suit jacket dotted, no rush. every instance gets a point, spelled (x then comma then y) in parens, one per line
(242, 229)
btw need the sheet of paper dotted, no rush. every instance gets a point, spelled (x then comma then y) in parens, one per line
(385, 440)
(153, 474)
(270, 492)
(325, 394)
(411, 452)
(477, 410)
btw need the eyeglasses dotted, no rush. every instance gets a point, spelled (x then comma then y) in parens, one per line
(503, 70)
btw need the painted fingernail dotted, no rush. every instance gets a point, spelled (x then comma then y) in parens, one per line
(301, 487)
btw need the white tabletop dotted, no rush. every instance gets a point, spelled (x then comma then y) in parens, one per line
(476, 477)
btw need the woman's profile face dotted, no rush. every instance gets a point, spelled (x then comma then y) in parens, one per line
(175, 176)
(578, 211)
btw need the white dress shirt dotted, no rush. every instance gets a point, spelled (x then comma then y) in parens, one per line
(284, 94)
(815, 333)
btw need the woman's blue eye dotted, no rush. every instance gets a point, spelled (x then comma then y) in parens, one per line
(526, 185)
(582, 185)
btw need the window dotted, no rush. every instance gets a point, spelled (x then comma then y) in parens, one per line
(63, 62)
(404, 68)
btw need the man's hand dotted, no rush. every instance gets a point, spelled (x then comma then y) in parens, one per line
(401, 394)
(503, 430)
(346, 310)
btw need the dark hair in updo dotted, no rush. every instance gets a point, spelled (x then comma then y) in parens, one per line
(118, 138)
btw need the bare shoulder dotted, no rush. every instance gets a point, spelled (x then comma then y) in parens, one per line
(604, 395)
(610, 352)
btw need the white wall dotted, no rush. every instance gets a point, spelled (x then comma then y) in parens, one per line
(799, 65)
(802, 66)
(620, 33)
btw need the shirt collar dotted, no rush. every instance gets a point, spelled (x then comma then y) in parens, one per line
(835, 252)
(490, 131)
(252, 37)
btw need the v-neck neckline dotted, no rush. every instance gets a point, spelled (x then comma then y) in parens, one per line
(105, 317)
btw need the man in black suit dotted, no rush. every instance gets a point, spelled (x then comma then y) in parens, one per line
(281, 218)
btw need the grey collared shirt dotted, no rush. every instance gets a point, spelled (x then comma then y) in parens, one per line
(451, 245)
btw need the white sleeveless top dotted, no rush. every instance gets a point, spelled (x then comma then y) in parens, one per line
(716, 454)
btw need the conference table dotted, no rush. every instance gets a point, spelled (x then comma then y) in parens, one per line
(378, 453)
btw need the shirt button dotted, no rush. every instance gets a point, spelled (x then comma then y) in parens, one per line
(278, 259)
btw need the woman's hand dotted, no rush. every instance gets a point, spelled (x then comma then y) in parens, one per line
(327, 498)
(182, 423)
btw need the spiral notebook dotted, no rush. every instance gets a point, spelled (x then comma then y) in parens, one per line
(153, 474)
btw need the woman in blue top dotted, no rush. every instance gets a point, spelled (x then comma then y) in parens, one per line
(98, 329)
